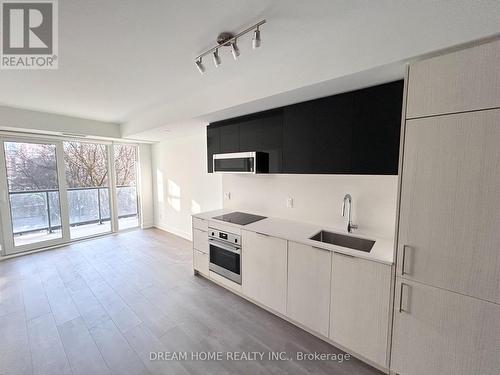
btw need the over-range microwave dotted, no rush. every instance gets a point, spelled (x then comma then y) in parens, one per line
(241, 162)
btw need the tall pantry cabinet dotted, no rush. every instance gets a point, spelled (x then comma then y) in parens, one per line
(447, 291)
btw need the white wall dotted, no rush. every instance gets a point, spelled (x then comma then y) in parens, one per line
(182, 185)
(1, 239)
(317, 198)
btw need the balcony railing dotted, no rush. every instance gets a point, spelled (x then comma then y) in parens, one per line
(39, 210)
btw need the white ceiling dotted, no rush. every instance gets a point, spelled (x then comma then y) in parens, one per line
(131, 62)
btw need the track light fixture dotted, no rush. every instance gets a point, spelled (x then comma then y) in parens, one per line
(226, 39)
(235, 50)
(217, 60)
(256, 38)
(199, 65)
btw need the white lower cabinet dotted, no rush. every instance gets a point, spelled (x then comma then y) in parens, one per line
(308, 301)
(264, 269)
(200, 262)
(360, 304)
(200, 246)
(200, 240)
(200, 224)
(445, 333)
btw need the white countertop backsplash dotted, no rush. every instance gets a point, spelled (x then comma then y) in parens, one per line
(382, 251)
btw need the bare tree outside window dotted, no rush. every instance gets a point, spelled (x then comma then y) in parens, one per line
(35, 168)
(125, 159)
(86, 164)
(30, 166)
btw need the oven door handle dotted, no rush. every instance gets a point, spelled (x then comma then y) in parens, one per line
(223, 246)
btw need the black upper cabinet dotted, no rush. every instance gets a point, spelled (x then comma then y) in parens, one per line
(229, 138)
(376, 129)
(264, 133)
(317, 136)
(298, 138)
(333, 134)
(351, 133)
(213, 146)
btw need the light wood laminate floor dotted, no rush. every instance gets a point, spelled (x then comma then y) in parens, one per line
(101, 307)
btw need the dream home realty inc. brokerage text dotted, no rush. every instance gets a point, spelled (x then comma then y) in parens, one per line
(248, 356)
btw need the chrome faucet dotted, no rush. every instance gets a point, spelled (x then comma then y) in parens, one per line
(350, 225)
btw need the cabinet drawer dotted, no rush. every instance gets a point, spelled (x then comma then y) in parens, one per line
(465, 80)
(200, 224)
(200, 240)
(200, 262)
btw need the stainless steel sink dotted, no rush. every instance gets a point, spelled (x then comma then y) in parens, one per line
(344, 241)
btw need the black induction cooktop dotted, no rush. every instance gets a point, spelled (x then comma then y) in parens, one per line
(239, 218)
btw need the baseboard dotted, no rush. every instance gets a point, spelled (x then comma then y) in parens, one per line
(147, 225)
(177, 232)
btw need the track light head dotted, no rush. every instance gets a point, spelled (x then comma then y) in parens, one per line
(216, 57)
(235, 50)
(200, 66)
(256, 38)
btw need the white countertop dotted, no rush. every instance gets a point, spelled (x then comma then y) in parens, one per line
(296, 231)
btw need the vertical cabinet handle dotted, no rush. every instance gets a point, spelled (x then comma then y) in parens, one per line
(403, 260)
(403, 296)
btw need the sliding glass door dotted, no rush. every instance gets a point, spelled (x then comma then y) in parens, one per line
(57, 191)
(87, 177)
(125, 157)
(33, 213)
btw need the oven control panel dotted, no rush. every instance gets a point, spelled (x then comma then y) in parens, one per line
(233, 239)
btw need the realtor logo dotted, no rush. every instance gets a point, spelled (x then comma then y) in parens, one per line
(29, 34)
